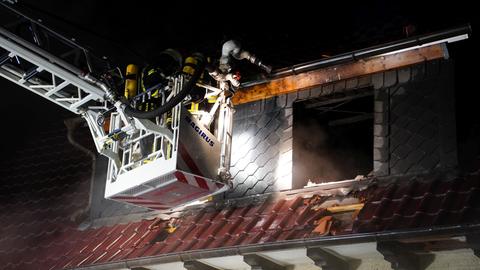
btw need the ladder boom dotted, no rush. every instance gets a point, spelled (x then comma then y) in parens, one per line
(63, 76)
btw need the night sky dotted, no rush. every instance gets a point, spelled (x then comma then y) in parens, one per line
(281, 32)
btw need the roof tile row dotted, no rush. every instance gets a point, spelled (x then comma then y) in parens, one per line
(39, 233)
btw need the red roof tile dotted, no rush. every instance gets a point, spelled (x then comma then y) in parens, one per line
(421, 202)
(208, 228)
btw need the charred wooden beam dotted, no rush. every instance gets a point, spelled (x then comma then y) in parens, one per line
(402, 256)
(258, 262)
(335, 73)
(351, 120)
(197, 265)
(327, 260)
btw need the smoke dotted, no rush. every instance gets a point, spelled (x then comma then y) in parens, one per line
(311, 154)
(322, 153)
(42, 186)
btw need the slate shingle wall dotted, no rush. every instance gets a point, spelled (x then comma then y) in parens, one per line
(414, 127)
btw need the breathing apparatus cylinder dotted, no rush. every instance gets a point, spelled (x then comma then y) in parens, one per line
(131, 77)
(186, 89)
(190, 65)
(197, 94)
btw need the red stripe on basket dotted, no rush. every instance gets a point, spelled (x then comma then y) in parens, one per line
(202, 183)
(181, 177)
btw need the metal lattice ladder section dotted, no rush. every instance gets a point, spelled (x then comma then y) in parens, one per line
(38, 71)
(46, 63)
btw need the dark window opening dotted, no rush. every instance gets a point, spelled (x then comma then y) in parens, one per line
(332, 138)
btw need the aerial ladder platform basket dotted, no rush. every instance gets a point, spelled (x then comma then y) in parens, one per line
(161, 162)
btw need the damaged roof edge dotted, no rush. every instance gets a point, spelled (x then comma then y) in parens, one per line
(448, 35)
(451, 231)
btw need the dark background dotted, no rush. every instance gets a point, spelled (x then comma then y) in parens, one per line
(282, 33)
